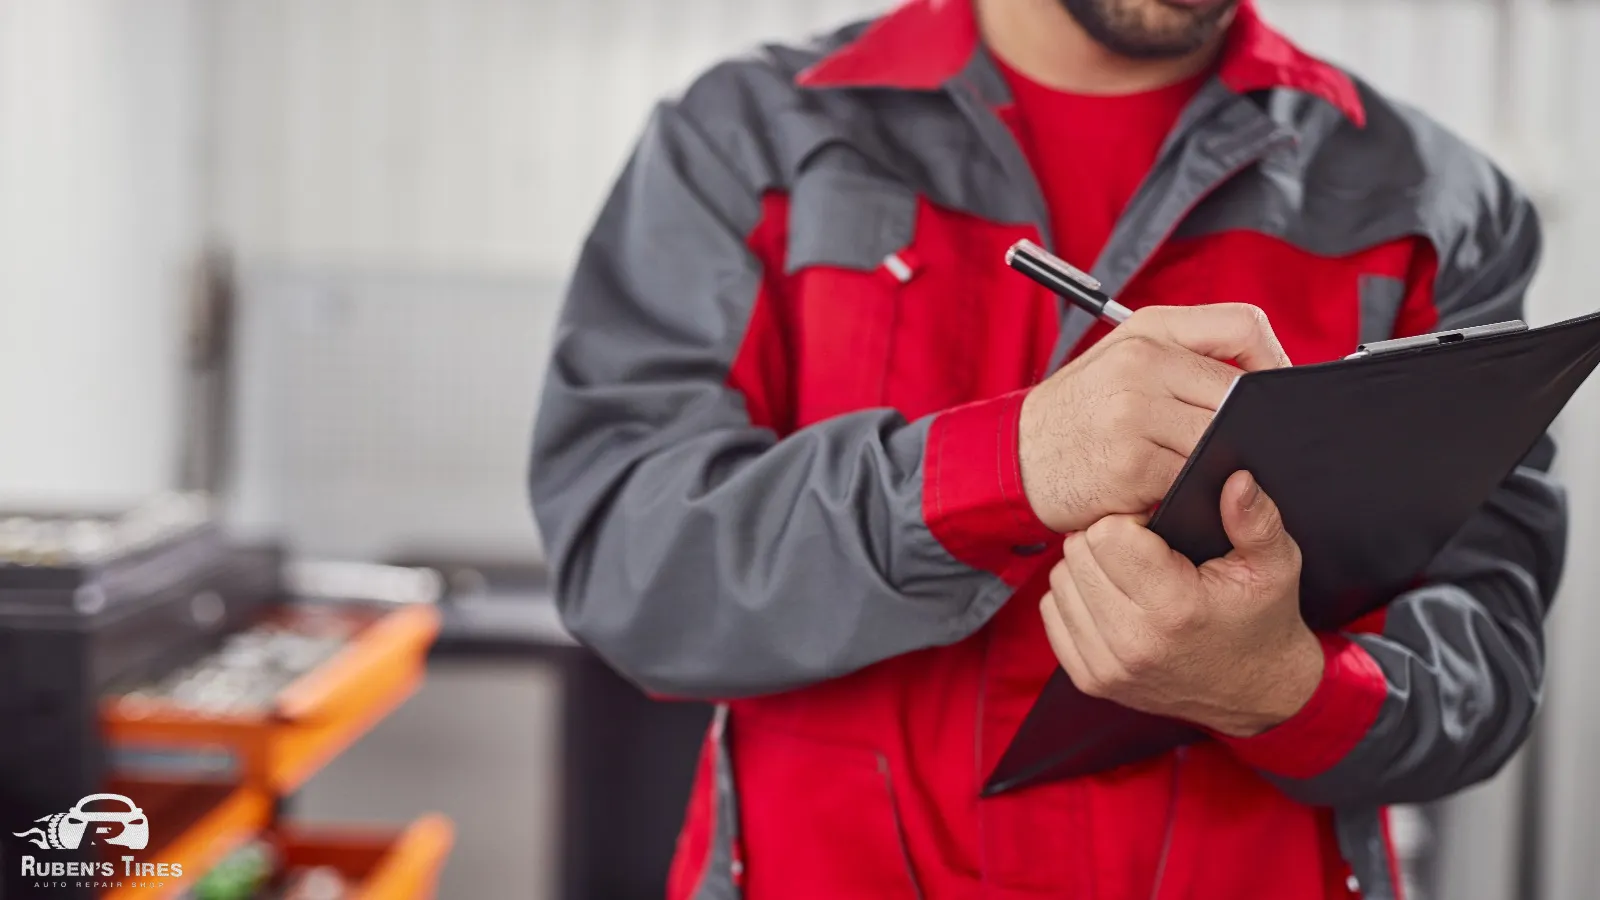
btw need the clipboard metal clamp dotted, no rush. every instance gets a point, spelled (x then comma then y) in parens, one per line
(1437, 338)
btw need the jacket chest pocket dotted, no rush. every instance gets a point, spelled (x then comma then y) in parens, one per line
(850, 237)
(894, 303)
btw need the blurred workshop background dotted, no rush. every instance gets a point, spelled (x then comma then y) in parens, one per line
(305, 256)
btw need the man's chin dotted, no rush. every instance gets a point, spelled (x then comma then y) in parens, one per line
(1151, 29)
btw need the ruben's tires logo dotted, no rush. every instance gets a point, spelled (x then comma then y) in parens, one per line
(115, 819)
(102, 821)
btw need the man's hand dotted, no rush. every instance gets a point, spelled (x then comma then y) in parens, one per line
(1109, 432)
(1222, 646)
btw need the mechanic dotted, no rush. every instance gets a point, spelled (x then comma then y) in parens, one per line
(810, 450)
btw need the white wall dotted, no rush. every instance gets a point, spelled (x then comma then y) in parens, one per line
(99, 216)
(480, 134)
(451, 135)
(406, 183)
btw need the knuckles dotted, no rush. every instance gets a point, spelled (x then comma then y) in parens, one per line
(1180, 618)
(1292, 558)
(1137, 351)
(1257, 316)
(1143, 318)
(1112, 530)
(1134, 467)
(1124, 412)
(1123, 679)
(1139, 659)
(1249, 316)
(1101, 532)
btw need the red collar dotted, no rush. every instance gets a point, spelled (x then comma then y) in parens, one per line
(924, 43)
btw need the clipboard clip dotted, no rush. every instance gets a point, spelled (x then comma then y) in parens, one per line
(1437, 338)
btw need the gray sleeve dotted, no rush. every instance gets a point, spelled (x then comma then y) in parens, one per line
(1463, 655)
(699, 554)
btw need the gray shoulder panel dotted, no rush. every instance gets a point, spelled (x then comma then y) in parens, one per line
(1484, 228)
(1343, 188)
(774, 130)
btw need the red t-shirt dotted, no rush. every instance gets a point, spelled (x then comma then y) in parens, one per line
(1090, 152)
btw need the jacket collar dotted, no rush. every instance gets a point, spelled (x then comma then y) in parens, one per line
(923, 44)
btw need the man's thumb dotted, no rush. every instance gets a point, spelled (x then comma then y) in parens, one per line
(1253, 523)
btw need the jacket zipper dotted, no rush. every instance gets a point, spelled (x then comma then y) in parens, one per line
(1180, 754)
(1054, 363)
(1199, 198)
(899, 828)
(977, 762)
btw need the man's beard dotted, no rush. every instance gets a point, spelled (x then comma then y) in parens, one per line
(1149, 29)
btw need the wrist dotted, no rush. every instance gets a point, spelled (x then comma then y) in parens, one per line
(1339, 715)
(1042, 475)
(1284, 686)
(1027, 466)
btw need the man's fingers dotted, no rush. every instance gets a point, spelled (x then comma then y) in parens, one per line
(1177, 426)
(1255, 526)
(1115, 615)
(1088, 633)
(1234, 332)
(1142, 470)
(1143, 352)
(1197, 380)
(1137, 562)
(1062, 642)
(1086, 574)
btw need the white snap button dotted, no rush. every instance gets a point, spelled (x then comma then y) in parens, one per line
(898, 267)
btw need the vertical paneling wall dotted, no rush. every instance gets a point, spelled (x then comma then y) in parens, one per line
(450, 134)
(100, 218)
(481, 134)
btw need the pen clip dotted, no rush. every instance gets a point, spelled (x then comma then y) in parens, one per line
(1437, 338)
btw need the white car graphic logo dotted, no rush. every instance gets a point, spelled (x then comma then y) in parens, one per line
(125, 827)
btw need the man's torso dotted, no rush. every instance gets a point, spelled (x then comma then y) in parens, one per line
(885, 219)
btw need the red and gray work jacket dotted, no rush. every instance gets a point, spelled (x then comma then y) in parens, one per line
(776, 467)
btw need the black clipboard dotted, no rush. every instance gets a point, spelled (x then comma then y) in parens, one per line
(1376, 461)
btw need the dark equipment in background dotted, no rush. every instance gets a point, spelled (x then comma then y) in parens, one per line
(144, 654)
(71, 627)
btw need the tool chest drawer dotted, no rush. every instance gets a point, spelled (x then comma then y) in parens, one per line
(283, 696)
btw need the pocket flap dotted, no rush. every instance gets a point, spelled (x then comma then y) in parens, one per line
(849, 219)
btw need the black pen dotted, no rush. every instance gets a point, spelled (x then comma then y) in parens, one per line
(1064, 279)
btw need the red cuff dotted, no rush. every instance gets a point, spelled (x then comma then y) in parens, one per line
(1335, 719)
(972, 498)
